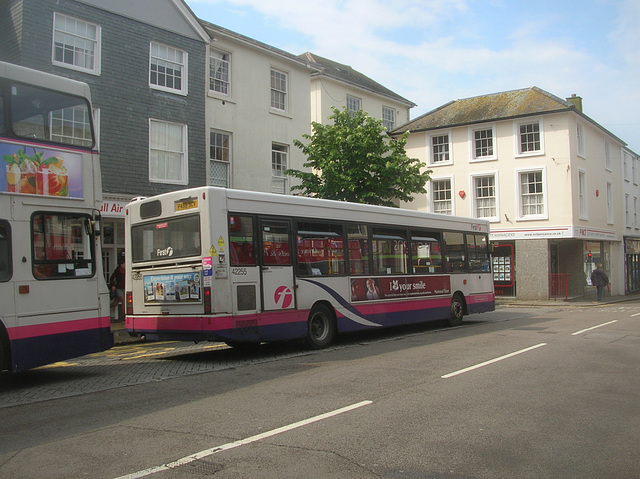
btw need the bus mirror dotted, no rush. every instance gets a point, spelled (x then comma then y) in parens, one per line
(88, 226)
(97, 224)
(92, 226)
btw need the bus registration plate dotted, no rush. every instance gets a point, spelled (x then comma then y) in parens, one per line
(186, 205)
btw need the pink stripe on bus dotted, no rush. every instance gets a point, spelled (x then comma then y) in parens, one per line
(46, 329)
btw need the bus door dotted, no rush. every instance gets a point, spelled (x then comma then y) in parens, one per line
(277, 268)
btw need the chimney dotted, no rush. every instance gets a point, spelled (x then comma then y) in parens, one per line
(576, 101)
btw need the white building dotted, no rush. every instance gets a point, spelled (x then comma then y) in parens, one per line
(340, 86)
(257, 103)
(560, 190)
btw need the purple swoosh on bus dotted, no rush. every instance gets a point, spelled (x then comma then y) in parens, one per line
(354, 313)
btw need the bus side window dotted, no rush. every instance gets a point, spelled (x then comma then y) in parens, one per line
(426, 252)
(320, 249)
(358, 248)
(478, 253)
(275, 243)
(390, 250)
(5, 252)
(241, 238)
(455, 259)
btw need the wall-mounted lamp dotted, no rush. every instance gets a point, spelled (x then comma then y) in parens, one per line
(462, 193)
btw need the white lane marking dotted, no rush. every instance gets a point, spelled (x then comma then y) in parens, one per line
(634, 315)
(486, 363)
(242, 442)
(593, 327)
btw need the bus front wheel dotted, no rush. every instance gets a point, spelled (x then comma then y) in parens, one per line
(321, 327)
(456, 310)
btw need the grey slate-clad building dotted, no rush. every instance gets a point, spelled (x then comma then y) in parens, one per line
(145, 64)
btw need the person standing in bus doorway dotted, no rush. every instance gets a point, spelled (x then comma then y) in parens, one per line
(599, 279)
(116, 282)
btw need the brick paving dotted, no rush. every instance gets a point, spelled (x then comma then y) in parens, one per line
(128, 365)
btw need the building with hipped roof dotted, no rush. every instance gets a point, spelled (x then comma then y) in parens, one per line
(560, 190)
(340, 86)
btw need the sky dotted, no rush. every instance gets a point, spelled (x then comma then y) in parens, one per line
(435, 51)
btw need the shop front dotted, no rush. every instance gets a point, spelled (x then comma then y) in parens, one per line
(632, 264)
(113, 213)
(556, 263)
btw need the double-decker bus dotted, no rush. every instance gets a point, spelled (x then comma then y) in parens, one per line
(54, 303)
(244, 267)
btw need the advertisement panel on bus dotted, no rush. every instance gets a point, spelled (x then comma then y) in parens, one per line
(40, 171)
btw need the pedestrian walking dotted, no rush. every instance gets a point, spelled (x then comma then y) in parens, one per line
(116, 281)
(599, 279)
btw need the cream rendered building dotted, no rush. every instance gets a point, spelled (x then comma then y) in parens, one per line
(257, 104)
(561, 191)
(260, 99)
(341, 86)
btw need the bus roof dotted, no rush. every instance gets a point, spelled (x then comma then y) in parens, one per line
(275, 204)
(44, 80)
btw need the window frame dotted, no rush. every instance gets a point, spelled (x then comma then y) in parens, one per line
(279, 149)
(96, 69)
(275, 90)
(224, 82)
(449, 149)
(607, 156)
(626, 211)
(473, 157)
(474, 196)
(184, 69)
(351, 101)
(184, 166)
(583, 203)
(433, 191)
(518, 137)
(521, 216)
(625, 166)
(228, 137)
(580, 140)
(388, 123)
(610, 203)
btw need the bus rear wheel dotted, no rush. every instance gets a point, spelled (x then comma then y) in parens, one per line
(321, 327)
(456, 311)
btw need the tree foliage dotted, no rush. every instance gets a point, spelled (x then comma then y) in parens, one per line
(354, 160)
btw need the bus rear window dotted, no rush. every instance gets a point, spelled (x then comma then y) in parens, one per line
(166, 239)
(62, 246)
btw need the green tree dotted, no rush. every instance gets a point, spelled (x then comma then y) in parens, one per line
(354, 160)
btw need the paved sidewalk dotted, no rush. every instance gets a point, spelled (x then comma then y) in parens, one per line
(571, 302)
(121, 336)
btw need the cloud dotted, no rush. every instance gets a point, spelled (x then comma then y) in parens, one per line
(434, 51)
